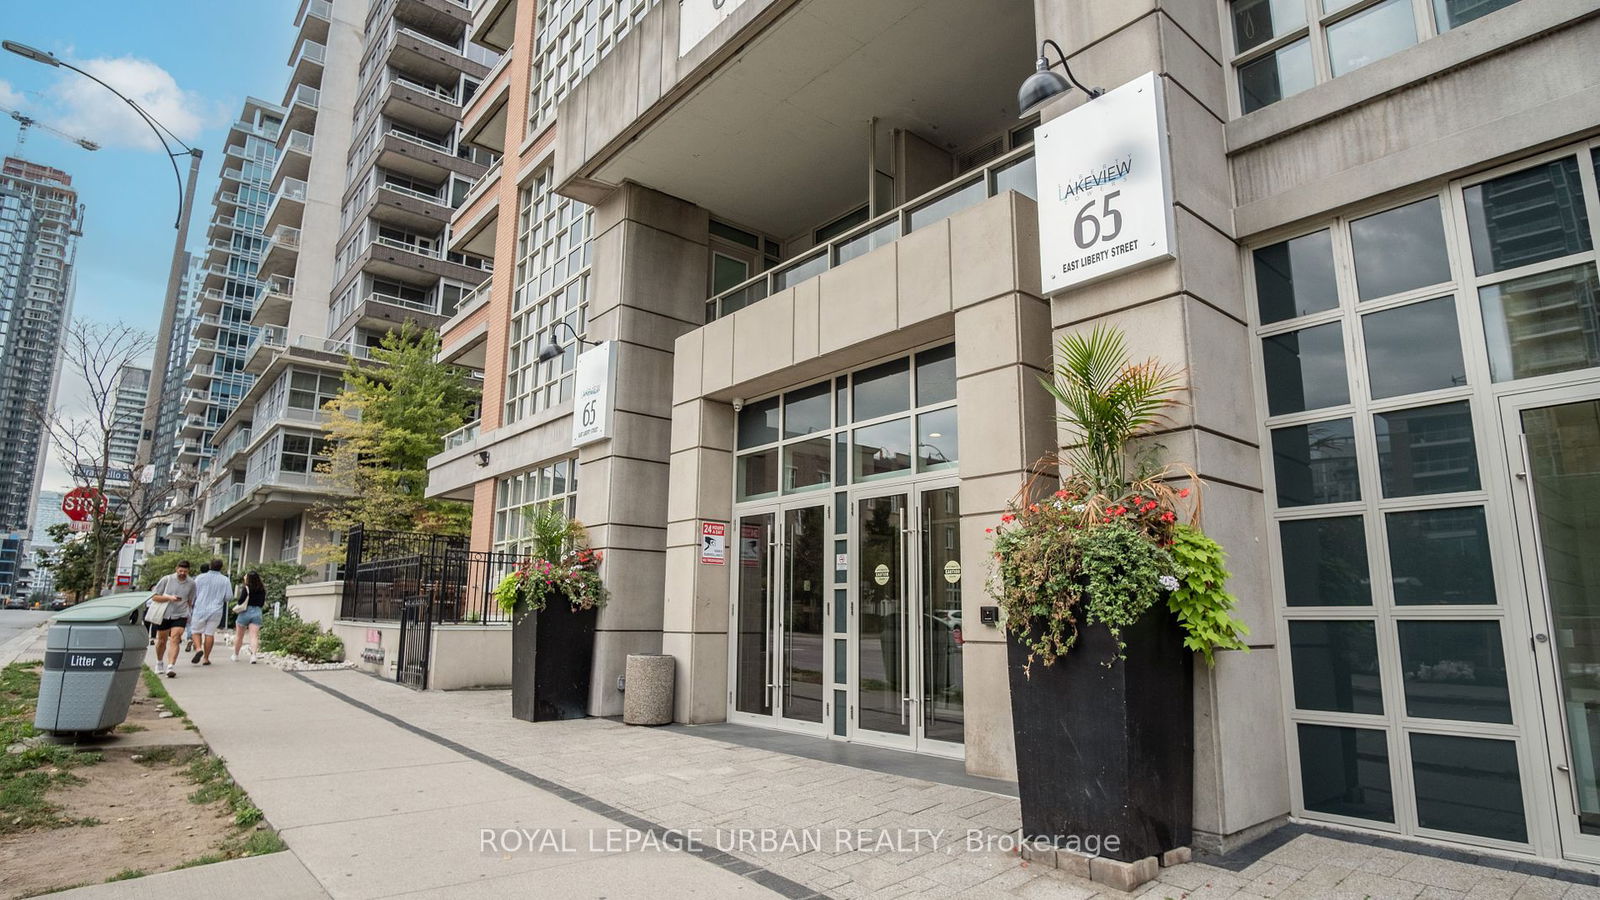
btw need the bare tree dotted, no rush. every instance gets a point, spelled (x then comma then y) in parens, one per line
(81, 430)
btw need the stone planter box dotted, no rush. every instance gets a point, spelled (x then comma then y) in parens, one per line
(552, 657)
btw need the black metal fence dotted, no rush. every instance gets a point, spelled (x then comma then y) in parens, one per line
(388, 574)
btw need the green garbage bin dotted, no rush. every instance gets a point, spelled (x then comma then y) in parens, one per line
(92, 657)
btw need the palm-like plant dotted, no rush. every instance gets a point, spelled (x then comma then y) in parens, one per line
(1108, 401)
(550, 533)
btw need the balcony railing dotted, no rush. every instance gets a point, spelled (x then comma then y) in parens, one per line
(466, 434)
(306, 95)
(411, 192)
(469, 304)
(321, 9)
(401, 29)
(419, 141)
(427, 306)
(419, 87)
(286, 236)
(329, 345)
(482, 182)
(311, 51)
(298, 141)
(269, 336)
(410, 248)
(291, 189)
(280, 284)
(235, 442)
(1013, 171)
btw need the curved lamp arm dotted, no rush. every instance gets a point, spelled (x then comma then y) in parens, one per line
(1048, 42)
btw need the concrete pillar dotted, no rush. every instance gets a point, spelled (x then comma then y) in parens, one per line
(649, 282)
(1190, 312)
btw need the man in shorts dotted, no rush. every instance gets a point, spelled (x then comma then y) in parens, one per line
(212, 591)
(177, 590)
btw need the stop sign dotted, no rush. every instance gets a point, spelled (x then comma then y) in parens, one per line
(81, 503)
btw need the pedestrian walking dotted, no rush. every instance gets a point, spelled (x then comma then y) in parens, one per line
(212, 589)
(252, 597)
(177, 592)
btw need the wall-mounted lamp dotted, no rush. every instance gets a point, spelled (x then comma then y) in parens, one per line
(552, 350)
(483, 458)
(1044, 85)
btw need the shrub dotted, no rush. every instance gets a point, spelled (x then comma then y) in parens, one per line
(291, 635)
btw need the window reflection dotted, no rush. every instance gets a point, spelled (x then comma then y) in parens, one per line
(1400, 250)
(1527, 217)
(1413, 348)
(1315, 463)
(1428, 450)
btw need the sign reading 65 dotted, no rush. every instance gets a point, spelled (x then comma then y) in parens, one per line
(1091, 227)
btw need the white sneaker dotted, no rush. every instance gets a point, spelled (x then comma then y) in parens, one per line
(233, 657)
(161, 667)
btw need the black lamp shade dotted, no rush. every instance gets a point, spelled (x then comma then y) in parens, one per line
(1042, 86)
(549, 351)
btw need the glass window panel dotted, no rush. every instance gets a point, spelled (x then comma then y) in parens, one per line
(1542, 324)
(1335, 666)
(882, 449)
(936, 440)
(1295, 277)
(1315, 463)
(1455, 13)
(1468, 785)
(1345, 771)
(882, 390)
(948, 205)
(1325, 562)
(1527, 217)
(727, 272)
(1413, 348)
(1282, 73)
(758, 474)
(1305, 369)
(936, 375)
(1454, 670)
(1440, 556)
(1017, 176)
(805, 411)
(758, 423)
(807, 464)
(1370, 35)
(1400, 250)
(1427, 450)
(1257, 21)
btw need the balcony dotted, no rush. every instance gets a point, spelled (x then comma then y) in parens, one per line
(206, 325)
(483, 121)
(409, 209)
(422, 106)
(306, 62)
(330, 347)
(198, 377)
(288, 204)
(283, 248)
(301, 104)
(211, 300)
(431, 59)
(191, 452)
(466, 434)
(313, 20)
(422, 158)
(1011, 172)
(233, 446)
(203, 352)
(382, 312)
(294, 157)
(267, 343)
(494, 24)
(195, 402)
(193, 426)
(214, 276)
(274, 302)
(464, 344)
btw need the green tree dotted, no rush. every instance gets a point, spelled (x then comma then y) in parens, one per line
(159, 564)
(276, 577)
(391, 417)
(82, 562)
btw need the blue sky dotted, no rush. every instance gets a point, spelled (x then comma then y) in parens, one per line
(190, 63)
(216, 53)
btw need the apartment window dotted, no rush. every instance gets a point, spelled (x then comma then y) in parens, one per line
(570, 39)
(517, 496)
(302, 454)
(311, 390)
(1283, 47)
(552, 286)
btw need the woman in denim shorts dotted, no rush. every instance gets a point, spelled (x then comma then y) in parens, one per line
(252, 597)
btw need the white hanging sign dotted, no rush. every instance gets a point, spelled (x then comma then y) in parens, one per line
(698, 18)
(1104, 186)
(594, 389)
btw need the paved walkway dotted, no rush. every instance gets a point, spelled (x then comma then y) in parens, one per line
(380, 792)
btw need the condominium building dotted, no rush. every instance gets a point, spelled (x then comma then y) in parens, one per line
(369, 172)
(40, 223)
(175, 522)
(129, 391)
(806, 234)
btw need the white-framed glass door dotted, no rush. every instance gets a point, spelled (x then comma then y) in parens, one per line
(779, 584)
(1553, 445)
(906, 688)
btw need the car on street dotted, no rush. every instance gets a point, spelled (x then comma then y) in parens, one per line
(16, 603)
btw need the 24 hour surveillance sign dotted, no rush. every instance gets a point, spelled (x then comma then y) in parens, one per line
(1104, 186)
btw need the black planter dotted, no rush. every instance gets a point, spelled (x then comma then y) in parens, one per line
(1104, 750)
(552, 653)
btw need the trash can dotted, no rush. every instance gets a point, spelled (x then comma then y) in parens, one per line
(92, 657)
(647, 694)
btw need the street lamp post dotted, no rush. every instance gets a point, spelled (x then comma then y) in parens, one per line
(169, 310)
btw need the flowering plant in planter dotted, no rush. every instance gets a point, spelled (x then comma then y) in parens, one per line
(1117, 538)
(561, 565)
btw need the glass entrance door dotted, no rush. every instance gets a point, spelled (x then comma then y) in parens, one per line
(1559, 511)
(779, 587)
(907, 614)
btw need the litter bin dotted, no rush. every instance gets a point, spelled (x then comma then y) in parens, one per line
(92, 657)
(647, 699)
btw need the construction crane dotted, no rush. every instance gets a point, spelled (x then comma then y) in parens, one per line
(24, 122)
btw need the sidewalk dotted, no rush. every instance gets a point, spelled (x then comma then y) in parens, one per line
(380, 791)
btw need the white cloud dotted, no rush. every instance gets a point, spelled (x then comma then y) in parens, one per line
(10, 97)
(85, 109)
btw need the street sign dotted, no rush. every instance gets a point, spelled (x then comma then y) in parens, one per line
(713, 543)
(83, 527)
(82, 503)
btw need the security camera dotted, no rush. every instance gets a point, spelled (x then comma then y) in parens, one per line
(738, 404)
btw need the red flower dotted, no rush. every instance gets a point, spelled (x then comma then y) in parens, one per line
(988, 531)
(1007, 517)
(1183, 493)
(1061, 495)
(1168, 516)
